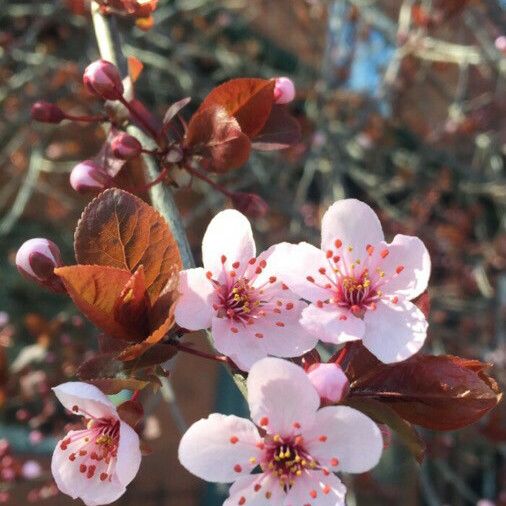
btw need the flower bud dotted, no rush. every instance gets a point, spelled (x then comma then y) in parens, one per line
(284, 90)
(250, 204)
(102, 79)
(125, 146)
(88, 176)
(45, 112)
(36, 261)
(500, 43)
(329, 380)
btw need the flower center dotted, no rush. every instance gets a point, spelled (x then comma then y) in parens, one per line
(287, 458)
(95, 448)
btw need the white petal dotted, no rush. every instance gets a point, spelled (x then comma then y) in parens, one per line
(72, 482)
(242, 347)
(280, 395)
(351, 437)
(352, 222)
(88, 399)
(219, 448)
(194, 307)
(294, 263)
(411, 254)
(246, 491)
(282, 334)
(394, 332)
(129, 454)
(317, 489)
(229, 234)
(332, 324)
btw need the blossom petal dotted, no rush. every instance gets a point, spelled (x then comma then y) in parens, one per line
(394, 332)
(251, 491)
(194, 306)
(410, 254)
(281, 395)
(345, 439)
(88, 399)
(241, 346)
(317, 489)
(129, 454)
(229, 234)
(295, 263)
(281, 333)
(332, 324)
(72, 482)
(220, 448)
(352, 222)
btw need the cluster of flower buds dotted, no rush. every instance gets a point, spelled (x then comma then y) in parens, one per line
(36, 260)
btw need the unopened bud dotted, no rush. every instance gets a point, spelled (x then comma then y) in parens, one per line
(36, 261)
(250, 204)
(284, 90)
(500, 43)
(45, 112)
(125, 147)
(88, 176)
(329, 380)
(103, 79)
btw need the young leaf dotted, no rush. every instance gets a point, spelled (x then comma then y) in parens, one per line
(95, 290)
(111, 386)
(281, 131)
(216, 136)
(173, 110)
(120, 230)
(437, 392)
(248, 100)
(131, 412)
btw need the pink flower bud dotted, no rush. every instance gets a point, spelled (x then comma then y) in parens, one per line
(329, 380)
(102, 79)
(500, 43)
(125, 146)
(284, 90)
(250, 204)
(36, 261)
(45, 112)
(88, 176)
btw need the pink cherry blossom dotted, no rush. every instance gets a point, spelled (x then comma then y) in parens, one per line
(359, 286)
(296, 446)
(329, 380)
(239, 296)
(98, 462)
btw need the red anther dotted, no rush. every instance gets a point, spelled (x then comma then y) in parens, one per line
(238, 468)
(369, 249)
(399, 269)
(234, 440)
(310, 279)
(272, 279)
(264, 421)
(338, 243)
(384, 253)
(223, 259)
(322, 270)
(236, 265)
(329, 253)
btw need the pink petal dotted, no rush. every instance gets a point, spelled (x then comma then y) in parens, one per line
(352, 440)
(228, 235)
(332, 324)
(410, 254)
(294, 263)
(129, 454)
(88, 399)
(76, 484)
(219, 448)
(194, 306)
(241, 346)
(280, 395)
(250, 491)
(317, 489)
(352, 222)
(281, 334)
(329, 380)
(394, 332)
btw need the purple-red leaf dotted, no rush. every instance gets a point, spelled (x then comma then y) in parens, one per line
(281, 131)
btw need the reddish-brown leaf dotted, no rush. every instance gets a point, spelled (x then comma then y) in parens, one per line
(111, 386)
(249, 100)
(95, 290)
(154, 355)
(132, 307)
(281, 131)
(131, 412)
(120, 230)
(437, 392)
(216, 136)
